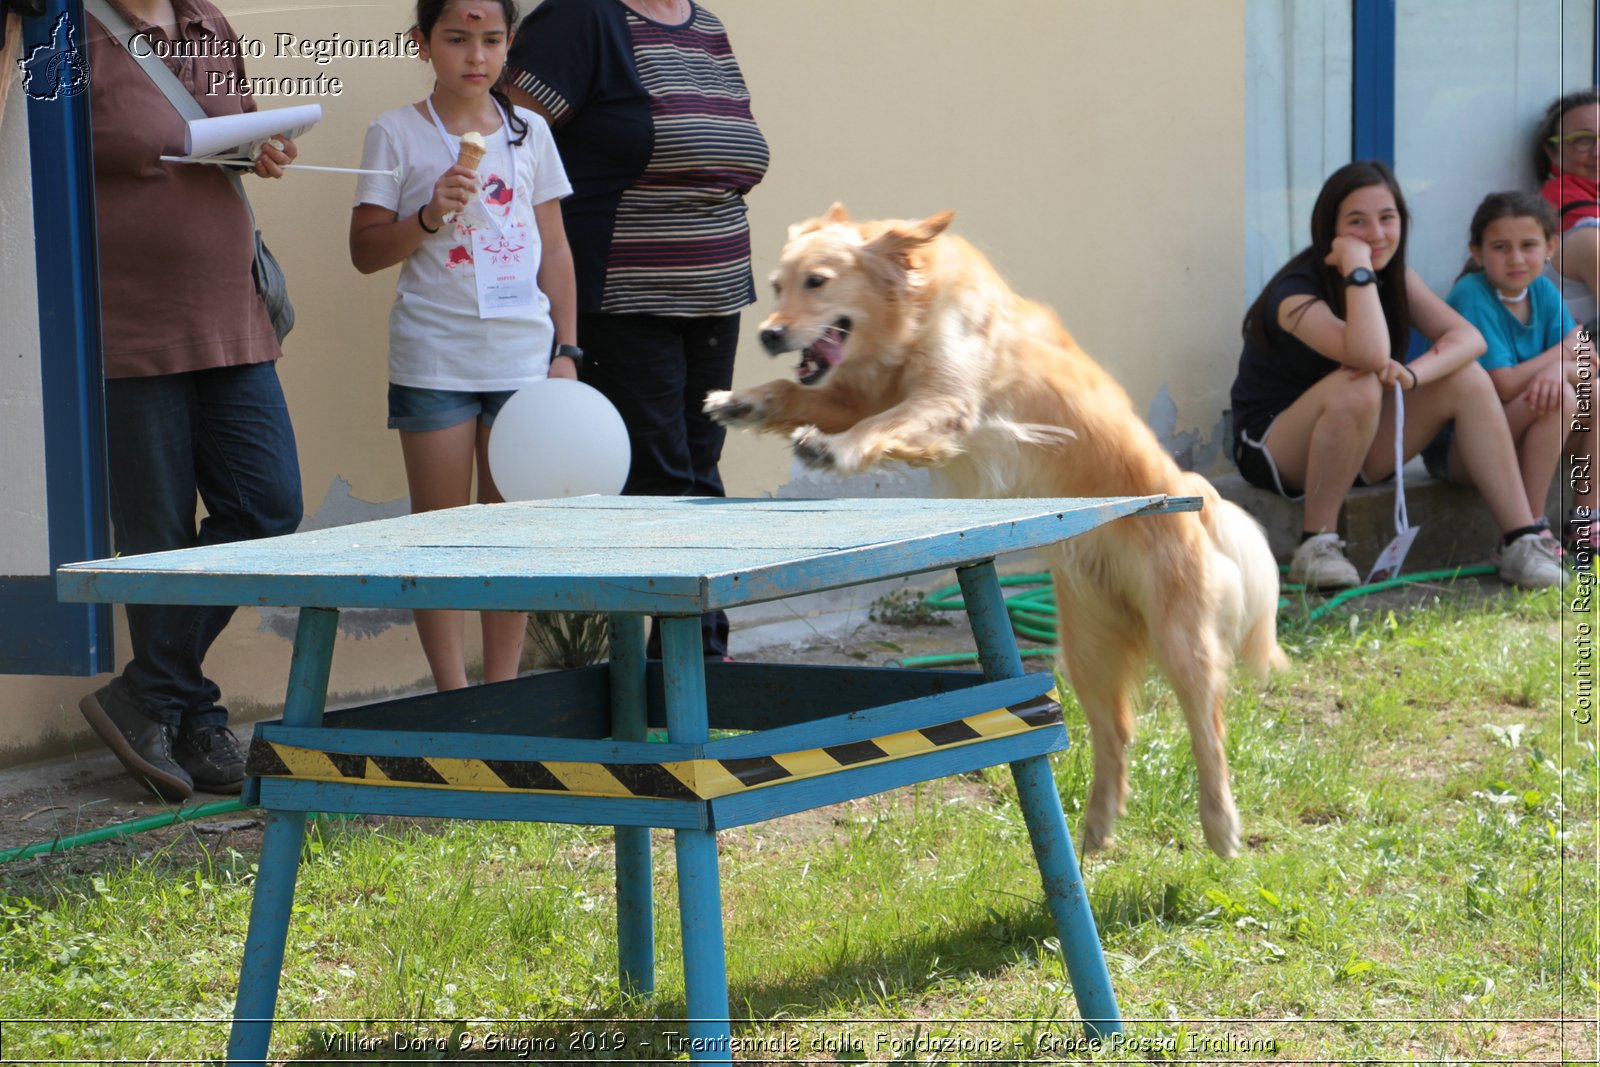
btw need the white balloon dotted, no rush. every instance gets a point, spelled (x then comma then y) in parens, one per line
(558, 438)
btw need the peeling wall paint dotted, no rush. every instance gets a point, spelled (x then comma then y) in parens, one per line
(889, 480)
(1208, 457)
(341, 507)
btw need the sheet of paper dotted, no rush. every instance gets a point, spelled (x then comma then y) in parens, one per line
(243, 135)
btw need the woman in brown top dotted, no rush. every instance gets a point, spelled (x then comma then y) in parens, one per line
(193, 403)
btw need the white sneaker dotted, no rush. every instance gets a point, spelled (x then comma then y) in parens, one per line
(1319, 563)
(1530, 562)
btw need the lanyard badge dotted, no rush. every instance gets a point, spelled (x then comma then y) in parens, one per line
(1393, 555)
(502, 258)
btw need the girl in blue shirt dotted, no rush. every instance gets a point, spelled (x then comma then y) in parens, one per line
(1536, 354)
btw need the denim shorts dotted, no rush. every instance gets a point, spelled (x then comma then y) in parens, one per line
(1436, 454)
(417, 410)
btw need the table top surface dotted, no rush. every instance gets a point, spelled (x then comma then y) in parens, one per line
(662, 555)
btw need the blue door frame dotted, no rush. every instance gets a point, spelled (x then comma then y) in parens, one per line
(1372, 97)
(39, 635)
(1372, 79)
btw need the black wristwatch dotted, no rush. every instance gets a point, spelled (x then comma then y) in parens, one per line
(572, 352)
(1359, 276)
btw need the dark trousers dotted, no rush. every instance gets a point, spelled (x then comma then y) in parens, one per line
(221, 433)
(657, 370)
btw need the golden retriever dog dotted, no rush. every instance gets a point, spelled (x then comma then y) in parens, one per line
(914, 349)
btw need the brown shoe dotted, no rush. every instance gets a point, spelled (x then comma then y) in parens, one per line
(143, 745)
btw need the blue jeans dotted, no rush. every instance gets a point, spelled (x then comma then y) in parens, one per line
(224, 434)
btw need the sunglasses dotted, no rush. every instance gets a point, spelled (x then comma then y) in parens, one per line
(1581, 140)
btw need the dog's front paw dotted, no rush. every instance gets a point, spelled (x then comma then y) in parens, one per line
(728, 408)
(837, 453)
(811, 448)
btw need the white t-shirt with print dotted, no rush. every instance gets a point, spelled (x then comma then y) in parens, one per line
(437, 340)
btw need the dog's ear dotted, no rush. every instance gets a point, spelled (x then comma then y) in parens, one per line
(834, 214)
(899, 237)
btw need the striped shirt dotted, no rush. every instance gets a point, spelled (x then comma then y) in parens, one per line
(655, 130)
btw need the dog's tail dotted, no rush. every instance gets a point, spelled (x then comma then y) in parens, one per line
(1259, 570)
(1253, 579)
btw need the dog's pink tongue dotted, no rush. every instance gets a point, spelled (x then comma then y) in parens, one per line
(829, 348)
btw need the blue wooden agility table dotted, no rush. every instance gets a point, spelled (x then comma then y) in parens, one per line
(571, 746)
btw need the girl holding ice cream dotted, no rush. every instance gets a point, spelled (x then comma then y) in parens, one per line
(485, 300)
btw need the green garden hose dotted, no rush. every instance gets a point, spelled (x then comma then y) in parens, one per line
(1446, 575)
(106, 833)
(1033, 613)
(136, 826)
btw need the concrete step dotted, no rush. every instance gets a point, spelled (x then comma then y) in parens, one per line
(1456, 527)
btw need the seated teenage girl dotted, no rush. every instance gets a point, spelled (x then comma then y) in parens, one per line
(1313, 403)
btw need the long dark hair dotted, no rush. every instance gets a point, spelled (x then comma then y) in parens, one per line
(428, 14)
(1551, 122)
(1313, 260)
(1514, 204)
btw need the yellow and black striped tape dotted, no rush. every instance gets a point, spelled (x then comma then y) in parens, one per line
(702, 779)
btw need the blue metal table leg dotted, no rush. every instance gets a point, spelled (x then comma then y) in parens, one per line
(1041, 811)
(991, 626)
(705, 968)
(279, 864)
(635, 906)
(1068, 900)
(269, 928)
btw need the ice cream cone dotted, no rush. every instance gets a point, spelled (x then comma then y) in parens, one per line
(472, 150)
(469, 155)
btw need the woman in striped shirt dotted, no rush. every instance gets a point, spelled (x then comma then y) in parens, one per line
(652, 118)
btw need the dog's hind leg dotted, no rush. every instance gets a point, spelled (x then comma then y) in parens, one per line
(1103, 661)
(1191, 655)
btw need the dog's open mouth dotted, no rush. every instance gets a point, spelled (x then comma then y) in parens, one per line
(823, 354)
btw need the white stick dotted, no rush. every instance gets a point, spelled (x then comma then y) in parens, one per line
(395, 174)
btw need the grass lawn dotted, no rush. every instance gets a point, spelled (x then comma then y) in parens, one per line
(1419, 885)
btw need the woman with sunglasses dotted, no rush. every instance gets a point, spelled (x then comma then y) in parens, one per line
(1566, 159)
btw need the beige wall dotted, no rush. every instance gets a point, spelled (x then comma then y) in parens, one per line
(1094, 150)
(24, 548)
